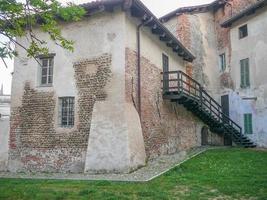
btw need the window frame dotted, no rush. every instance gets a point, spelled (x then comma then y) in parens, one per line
(244, 73)
(66, 111)
(49, 72)
(222, 62)
(241, 30)
(248, 123)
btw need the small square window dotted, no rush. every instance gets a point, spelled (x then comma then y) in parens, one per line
(243, 31)
(66, 112)
(222, 62)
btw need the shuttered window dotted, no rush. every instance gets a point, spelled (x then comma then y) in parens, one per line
(248, 123)
(222, 62)
(244, 70)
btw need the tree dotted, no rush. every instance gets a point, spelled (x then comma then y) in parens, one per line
(19, 17)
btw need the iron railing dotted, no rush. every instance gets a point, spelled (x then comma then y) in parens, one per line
(177, 82)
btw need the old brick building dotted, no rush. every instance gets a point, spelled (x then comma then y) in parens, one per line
(104, 108)
(81, 111)
(228, 38)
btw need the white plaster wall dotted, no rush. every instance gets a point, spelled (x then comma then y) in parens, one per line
(109, 148)
(93, 36)
(4, 137)
(172, 25)
(254, 47)
(151, 47)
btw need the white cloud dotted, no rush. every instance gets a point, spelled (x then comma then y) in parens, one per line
(158, 7)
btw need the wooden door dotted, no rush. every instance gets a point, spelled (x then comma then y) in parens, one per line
(225, 106)
(204, 136)
(165, 66)
(225, 110)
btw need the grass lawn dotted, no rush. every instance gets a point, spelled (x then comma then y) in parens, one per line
(216, 174)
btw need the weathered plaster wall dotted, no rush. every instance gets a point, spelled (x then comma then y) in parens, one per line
(224, 45)
(4, 137)
(167, 127)
(202, 33)
(254, 47)
(197, 32)
(95, 75)
(151, 47)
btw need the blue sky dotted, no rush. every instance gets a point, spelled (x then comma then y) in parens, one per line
(158, 7)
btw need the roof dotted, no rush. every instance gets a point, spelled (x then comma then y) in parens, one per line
(139, 10)
(248, 11)
(194, 9)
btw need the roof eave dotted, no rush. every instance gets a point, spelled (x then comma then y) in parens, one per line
(164, 34)
(248, 11)
(192, 9)
(144, 14)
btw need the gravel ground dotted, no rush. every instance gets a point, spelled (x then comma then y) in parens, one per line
(153, 169)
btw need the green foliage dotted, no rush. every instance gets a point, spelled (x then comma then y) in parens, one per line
(216, 174)
(20, 18)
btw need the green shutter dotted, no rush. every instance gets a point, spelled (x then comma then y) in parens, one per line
(246, 123)
(248, 126)
(247, 73)
(244, 71)
(250, 123)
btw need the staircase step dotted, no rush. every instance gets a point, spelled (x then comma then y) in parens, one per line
(204, 112)
(251, 146)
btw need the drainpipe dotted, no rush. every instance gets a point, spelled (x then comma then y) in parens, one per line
(139, 64)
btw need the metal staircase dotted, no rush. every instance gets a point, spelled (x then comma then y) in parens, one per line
(180, 88)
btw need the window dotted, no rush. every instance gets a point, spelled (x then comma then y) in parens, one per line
(244, 71)
(243, 31)
(222, 62)
(46, 70)
(248, 123)
(66, 111)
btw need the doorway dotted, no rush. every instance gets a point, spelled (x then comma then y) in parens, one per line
(225, 107)
(225, 110)
(204, 136)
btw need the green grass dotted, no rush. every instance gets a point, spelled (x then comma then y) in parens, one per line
(215, 174)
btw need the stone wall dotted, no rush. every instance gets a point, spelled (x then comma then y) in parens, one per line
(37, 143)
(167, 127)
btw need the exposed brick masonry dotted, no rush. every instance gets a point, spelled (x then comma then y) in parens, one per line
(91, 77)
(184, 31)
(167, 128)
(35, 142)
